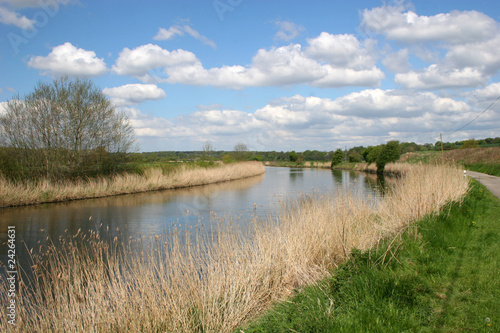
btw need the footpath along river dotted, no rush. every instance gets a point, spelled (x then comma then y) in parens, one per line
(157, 213)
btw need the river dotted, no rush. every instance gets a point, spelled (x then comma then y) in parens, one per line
(157, 213)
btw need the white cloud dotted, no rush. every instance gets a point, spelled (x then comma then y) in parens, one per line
(180, 30)
(298, 122)
(288, 30)
(9, 14)
(397, 61)
(483, 98)
(339, 77)
(348, 64)
(164, 34)
(131, 94)
(492, 91)
(282, 66)
(482, 55)
(454, 27)
(435, 77)
(343, 51)
(140, 61)
(10, 17)
(66, 59)
(470, 41)
(149, 125)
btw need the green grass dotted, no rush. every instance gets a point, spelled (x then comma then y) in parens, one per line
(443, 277)
(488, 168)
(345, 165)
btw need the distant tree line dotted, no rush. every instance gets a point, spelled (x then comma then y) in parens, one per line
(356, 154)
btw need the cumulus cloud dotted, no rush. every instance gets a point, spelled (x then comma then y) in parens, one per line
(131, 94)
(140, 61)
(482, 55)
(470, 40)
(310, 122)
(455, 27)
(328, 61)
(180, 30)
(68, 60)
(434, 77)
(492, 91)
(281, 66)
(397, 61)
(484, 97)
(288, 30)
(343, 51)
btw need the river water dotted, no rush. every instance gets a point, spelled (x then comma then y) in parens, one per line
(159, 212)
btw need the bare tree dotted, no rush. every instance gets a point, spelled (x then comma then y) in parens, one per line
(67, 127)
(208, 148)
(240, 151)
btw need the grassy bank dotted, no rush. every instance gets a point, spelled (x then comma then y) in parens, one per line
(15, 194)
(306, 164)
(395, 169)
(217, 284)
(441, 275)
(485, 160)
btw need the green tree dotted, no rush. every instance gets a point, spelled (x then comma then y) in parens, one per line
(293, 156)
(390, 152)
(337, 158)
(371, 153)
(355, 157)
(471, 143)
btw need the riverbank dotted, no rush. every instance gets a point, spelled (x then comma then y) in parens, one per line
(153, 179)
(217, 282)
(392, 169)
(441, 275)
(484, 160)
(307, 164)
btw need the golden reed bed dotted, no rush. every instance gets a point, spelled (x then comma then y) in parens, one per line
(215, 284)
(12, 194)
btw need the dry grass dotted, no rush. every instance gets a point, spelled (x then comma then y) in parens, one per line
(472, 155)
(390, 168)
(371, 168)
(309, 164)
(12, 194)
(215, 285)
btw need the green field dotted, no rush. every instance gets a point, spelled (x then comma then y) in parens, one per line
(440, 275)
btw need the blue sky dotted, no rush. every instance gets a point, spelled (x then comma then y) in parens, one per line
(275, 75)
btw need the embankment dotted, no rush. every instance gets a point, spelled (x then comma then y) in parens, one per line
(217, 284)
(438, 276)
(44, 191)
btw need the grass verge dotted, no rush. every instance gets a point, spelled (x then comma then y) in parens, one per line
(440, 275)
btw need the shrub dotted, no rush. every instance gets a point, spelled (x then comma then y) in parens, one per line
(337, 158)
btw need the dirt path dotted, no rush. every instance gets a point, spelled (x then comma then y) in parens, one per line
(492, 183)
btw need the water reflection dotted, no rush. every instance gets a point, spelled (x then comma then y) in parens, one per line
(159, 212)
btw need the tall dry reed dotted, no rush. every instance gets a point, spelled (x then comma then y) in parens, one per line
(194, 283)
(12, 194)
